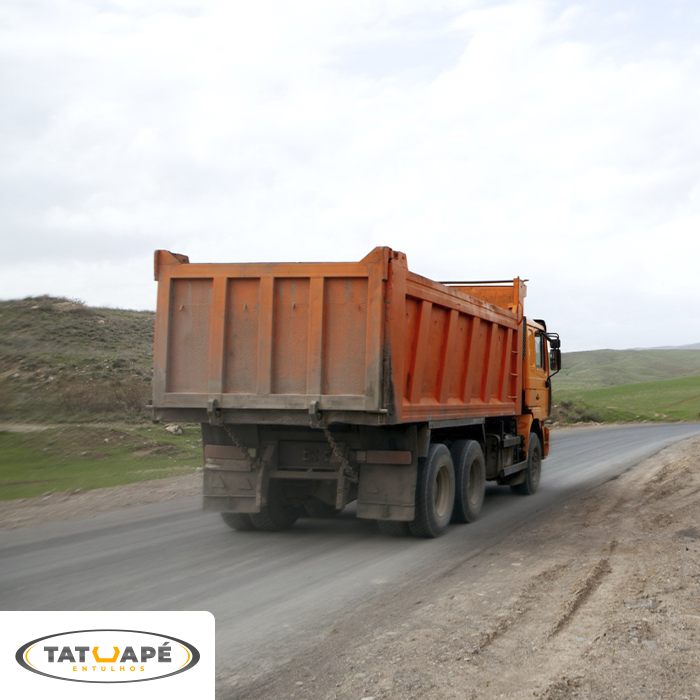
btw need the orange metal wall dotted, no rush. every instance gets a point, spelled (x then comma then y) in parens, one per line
(271, 336)
(368, 337)
(461, 355)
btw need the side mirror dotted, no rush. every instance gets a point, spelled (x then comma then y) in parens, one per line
(555, 359)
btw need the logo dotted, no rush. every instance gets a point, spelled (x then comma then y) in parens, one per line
(107, 656)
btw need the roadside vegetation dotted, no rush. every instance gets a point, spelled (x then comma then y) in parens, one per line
(75, 382)
(82, 457)
(74, 387)
(64, 362)
(599, 369)
(605, 386)
(663, 401)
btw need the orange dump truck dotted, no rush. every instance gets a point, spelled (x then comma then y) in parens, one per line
(320, 384)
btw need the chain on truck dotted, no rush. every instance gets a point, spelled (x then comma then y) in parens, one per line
(322, 384)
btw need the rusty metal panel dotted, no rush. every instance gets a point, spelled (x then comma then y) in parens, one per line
(432, 371)
(411, 359)
(264, 336)
(344, 336)
(367, 338)
(455, 365)
(188, 343)
(462, 356)
(242, 334)
(290, 344)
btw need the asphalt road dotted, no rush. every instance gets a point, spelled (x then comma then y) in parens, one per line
(270, 592)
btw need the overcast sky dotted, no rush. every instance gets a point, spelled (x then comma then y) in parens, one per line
(553, 140)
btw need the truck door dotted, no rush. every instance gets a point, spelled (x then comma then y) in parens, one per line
(536, 374)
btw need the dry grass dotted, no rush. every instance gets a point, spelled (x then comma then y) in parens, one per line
(61, 361)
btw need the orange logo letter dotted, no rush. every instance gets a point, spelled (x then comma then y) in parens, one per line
(105, 661)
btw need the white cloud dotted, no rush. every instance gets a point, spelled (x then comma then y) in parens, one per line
(485, 139)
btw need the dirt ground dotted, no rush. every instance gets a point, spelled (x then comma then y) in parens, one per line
(600, 601)
(67, 505)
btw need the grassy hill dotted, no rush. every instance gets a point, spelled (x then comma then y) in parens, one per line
(84, 376)
(628, 385)
(74, 382)
(607, 368)
(63, 361)
(667, 400)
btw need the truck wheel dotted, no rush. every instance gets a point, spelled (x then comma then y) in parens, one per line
(278, 514)
(533, 469)
(435, 493)
(238, 521)
(470, 480)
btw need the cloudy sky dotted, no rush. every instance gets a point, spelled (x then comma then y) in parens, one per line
(554, 140)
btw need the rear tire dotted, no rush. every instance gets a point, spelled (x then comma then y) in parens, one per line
(435, 493)
(470, 480)
(238, 521)
(533, 469)
(278, 514)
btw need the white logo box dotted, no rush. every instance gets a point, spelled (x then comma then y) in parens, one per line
(108, 654)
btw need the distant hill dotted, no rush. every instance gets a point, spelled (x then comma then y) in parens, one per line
(60, 359)
(660, 384)
(598, 369)
(694, 346)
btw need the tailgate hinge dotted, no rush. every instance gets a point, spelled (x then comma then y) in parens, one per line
(214, 412)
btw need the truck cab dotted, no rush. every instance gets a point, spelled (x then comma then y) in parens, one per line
(541, 360)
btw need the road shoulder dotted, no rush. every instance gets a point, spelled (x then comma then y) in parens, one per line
(598, 599)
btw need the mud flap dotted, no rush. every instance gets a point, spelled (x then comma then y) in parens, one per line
(230, 483)
(387, 492)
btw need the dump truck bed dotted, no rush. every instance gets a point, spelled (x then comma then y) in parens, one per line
(360, 343)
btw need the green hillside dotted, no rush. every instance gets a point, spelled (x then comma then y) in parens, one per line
(628, 385)
(74, 382)
(666, 400)
(607, 368)
(63, 361)
(90, 456)
(77, 379)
